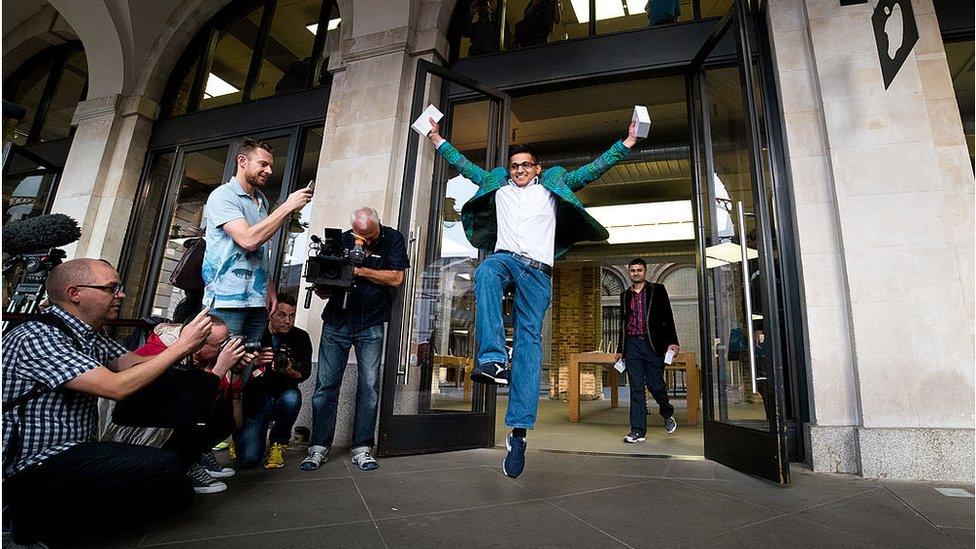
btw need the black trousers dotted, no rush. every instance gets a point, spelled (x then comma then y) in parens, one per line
(645, 368)
(95, 486)
(189, 441)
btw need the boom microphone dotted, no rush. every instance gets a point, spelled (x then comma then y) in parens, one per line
(39, 233)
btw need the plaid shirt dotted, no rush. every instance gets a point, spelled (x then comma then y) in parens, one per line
(35, 354)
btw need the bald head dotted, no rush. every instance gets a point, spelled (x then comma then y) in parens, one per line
(365, 222)
(83, 270)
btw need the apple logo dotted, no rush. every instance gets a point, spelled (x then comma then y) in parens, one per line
(895, 33)
(894, 29)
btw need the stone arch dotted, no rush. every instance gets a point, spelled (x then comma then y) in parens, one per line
(33, 34)
(97, 26)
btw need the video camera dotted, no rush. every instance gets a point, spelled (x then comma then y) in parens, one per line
(331, 265)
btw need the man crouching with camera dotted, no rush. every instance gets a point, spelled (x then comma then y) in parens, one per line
(55, 366)
(272, 400)
(356, 320)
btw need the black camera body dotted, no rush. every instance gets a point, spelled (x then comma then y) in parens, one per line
(330, 264)
(282, 356)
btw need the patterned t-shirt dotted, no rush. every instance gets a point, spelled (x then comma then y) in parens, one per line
(234, 277)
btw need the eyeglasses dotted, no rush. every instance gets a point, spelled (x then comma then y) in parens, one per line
(114, 289)
(524, 165)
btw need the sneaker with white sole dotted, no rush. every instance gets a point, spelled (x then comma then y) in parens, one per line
(315, 458)
(490, 373)
(216, 470)
(365, 461)
(670, 425)
(633, 437)
(202, 482)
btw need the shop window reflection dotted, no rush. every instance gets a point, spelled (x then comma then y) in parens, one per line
(296, 243)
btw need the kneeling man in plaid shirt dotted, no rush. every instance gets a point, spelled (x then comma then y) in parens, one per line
(54, 369)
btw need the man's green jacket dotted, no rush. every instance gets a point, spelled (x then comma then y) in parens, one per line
(573, 224)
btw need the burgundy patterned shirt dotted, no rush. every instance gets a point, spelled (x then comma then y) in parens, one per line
(635, 324)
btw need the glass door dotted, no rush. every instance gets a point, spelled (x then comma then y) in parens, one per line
(742, 369)
(429, 403)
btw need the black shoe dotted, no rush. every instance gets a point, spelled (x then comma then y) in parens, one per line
(490, 373)
(633, 437)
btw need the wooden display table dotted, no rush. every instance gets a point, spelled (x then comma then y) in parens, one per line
(685, 362)
(463, 365)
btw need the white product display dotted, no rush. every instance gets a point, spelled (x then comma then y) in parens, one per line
(422, 124)
(643, 119)
(619, 365)
(669, 356)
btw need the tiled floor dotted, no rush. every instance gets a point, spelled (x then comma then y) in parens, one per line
(462, 499)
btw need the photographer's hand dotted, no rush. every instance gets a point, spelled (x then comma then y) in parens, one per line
(380, 276)
(266, 356)
(229, 356)
(195, 333)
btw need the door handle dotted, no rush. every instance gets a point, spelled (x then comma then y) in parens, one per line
(413, 250)
(747, 292)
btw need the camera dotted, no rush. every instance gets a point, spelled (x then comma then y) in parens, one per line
(331, 265)
(282, 356)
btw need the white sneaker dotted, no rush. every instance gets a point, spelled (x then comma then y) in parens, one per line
(365, 461)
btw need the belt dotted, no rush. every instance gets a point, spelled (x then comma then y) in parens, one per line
(538, 265)
(637, 336)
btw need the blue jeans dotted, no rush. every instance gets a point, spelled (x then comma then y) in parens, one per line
(333, 356)
(645, 368)
(533, 290)
(277, 410)
(249, 322)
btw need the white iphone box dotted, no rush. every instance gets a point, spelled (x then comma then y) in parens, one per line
(619, 365)
(669, 356)
(422, 124)
(643, 119)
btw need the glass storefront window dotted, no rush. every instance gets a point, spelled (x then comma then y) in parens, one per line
(960, 58)
(296, 246)
(231, 59)
(537, 22)
(49, 87)
(253, 50)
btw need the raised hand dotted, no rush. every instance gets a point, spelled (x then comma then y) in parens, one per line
(434, 134)
(631, 138)
(196, 332)
(298, 199)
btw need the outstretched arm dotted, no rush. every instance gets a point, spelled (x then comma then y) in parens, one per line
(579, 178)
(454, 157)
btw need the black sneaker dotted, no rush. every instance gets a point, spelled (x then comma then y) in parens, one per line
(490, 373)
(515, 458)
(670, 425)
(633, 437)
(202, 482)
(216, 470)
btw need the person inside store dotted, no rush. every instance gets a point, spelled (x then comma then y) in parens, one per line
(356, 321)
(662, 12)
(55, 366)
(271, 401)
(523, 217)
(238, 283)
(538, 20)
(647, 334)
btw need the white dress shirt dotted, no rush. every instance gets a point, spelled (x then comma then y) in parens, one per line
(526, 220)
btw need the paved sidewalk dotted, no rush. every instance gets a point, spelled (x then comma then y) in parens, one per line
(462, 499)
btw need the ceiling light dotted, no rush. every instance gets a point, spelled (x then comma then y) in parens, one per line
(726, 253)
(646, 222)
(333, 25)
(217, 86)
(608, 9)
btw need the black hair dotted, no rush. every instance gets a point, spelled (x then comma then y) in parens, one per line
(637, 261)
(523, 148)
(288, 299)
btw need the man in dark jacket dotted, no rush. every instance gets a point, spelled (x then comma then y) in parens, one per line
(646, 335)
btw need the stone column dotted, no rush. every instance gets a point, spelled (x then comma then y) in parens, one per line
(884, 193)
(366, 128)
(101, 175)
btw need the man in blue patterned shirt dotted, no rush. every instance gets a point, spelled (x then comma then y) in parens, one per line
(239, 288)
(54, 370)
